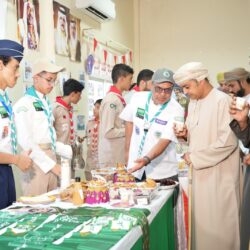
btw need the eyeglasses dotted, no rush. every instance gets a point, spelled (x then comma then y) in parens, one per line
(163, 90)
(50, 81)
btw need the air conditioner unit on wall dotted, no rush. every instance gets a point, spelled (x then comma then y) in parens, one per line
(100, 10)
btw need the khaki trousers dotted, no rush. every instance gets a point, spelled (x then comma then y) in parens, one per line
(36, 182)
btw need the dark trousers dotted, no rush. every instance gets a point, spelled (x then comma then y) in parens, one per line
(7, 186)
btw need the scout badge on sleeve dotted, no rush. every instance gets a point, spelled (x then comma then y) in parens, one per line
(112, 105)
(140, 113)
(3, 112)
(37, 106)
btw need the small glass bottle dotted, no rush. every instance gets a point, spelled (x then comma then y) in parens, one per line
(78, 192)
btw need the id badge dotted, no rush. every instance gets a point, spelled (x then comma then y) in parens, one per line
(146, 126)
(5, 132)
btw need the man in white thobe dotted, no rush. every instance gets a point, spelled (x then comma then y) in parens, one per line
(214, 155)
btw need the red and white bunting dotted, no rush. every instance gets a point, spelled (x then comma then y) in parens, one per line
(104, 60)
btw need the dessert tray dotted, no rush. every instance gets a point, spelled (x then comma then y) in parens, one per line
(168, 185)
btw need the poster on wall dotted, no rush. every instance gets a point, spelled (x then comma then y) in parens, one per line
(90, 88)
(106, 87)
(89, 64)
(28, 28)
(82, 78)
(27, 73)
(74, 39)
(62, 78)
(99, 90)
(91, 102)
(80, 122)
(61, 28)
(96, 91)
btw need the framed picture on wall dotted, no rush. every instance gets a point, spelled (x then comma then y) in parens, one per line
(74, 39)
(61, 28)
(28, 28)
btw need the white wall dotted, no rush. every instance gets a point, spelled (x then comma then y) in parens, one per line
(119, 30)
(169, 33)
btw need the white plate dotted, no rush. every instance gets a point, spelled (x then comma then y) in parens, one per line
(169, 186)
(43, 199)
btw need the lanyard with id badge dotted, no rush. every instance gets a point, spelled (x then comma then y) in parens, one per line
(4, 114)
(6, 111)
(147, 123)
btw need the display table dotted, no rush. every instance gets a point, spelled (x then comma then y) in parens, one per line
(161, 220)
(161, 227)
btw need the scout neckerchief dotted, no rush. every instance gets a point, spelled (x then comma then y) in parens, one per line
(70, 109)
(114, 89)
(4, 99)
(147, 123)
(136, 88)
(31, 92)
(94, 139)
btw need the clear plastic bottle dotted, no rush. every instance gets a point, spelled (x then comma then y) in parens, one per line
(65, 173)
(78, 197)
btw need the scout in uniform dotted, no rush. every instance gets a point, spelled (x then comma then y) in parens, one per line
(143, 83)
(149, 121)
(111, 148)
(63, 113)
(34, 122)
(11, 53)
(92, 130)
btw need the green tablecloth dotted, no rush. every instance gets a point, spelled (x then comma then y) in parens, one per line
(161, 231)
(35, 236)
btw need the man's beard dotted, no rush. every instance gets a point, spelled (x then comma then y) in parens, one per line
(241, 92)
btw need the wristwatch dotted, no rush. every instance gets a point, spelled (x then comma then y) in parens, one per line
(147, 160)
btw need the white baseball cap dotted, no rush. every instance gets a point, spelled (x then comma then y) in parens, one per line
(45, 65)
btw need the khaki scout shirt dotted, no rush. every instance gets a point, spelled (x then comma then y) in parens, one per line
(62, 123)
(92, 142)
(111, 148)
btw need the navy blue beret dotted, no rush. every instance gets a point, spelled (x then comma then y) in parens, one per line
(11, 49)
